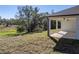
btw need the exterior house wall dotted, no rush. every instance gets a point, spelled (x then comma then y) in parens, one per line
(77, 28)
(68, 23)
(77, 24)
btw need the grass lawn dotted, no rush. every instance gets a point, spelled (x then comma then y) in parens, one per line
(29, 43)
(7, 30)
(4, 33)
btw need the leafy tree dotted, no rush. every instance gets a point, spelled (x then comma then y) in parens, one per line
(33, 20)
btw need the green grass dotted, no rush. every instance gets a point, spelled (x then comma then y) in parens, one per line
(9, 31)
(12, 32)
(4, 33)
(28, 43)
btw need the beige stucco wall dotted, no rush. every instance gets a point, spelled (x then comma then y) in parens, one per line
(68, 23)
(77, 23)
(77, 27)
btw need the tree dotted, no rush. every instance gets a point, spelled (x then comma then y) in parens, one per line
(0, 20)
(29, 14)
(34, 21)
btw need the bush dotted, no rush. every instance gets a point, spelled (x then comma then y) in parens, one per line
(20, 29)
(38, 29)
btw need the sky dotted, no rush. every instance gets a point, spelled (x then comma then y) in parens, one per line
(9, 11)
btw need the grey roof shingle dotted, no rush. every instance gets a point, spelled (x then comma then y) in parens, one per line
(69, 11)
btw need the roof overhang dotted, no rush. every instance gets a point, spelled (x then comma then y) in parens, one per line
(63, 15)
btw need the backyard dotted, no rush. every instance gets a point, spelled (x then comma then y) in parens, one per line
(10, 42)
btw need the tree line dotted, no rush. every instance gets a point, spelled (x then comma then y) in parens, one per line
(28, 19)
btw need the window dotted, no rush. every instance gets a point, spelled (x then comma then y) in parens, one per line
(59, 24)
(53, 24)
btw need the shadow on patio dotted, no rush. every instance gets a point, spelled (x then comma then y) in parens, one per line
(69, 46)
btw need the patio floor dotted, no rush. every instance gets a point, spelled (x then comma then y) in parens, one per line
(64, 34)
(67, 42)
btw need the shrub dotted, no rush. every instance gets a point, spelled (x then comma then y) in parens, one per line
(20, 28)
(38, 29)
